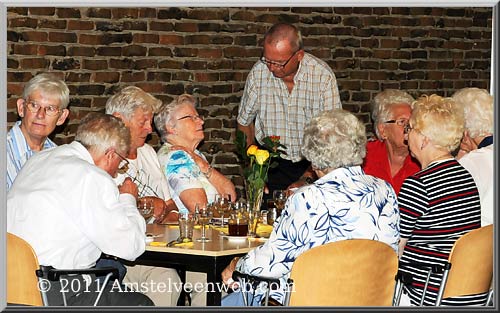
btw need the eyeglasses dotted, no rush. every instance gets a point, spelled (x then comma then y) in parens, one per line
(194, 118)
(276, 64)
(124, 164)
(51, 110)
(400, 122)
(407, 128)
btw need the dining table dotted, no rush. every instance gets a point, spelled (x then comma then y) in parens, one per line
(210, 257)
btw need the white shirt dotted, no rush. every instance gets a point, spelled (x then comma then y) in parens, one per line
(70, 210)
(146, 173)
(479, 163)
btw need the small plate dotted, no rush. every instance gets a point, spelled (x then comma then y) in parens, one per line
(234, 238)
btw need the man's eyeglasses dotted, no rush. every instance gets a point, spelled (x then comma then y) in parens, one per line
(124, 164)
(194, 118)
(400, 122)
(276, 64)
(51, 110)
(407, 128)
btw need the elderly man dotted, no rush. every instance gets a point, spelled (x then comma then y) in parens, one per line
(476, 148)
(283, 91)
(65, 204)
(135, 108)
(42, 108)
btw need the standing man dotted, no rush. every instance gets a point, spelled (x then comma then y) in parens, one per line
(135, 108)
(42, 108)
(283, 91)
(65, 204)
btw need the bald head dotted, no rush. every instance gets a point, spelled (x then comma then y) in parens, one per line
(284, 32)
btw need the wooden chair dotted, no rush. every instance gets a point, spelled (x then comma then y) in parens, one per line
(23, 274)
(469, 269)
(22, 282)
(355, 272)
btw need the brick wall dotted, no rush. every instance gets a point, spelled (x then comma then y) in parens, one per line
(208, 52)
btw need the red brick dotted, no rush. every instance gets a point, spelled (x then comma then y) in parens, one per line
(41, 11)
(34, 36)
(151, 87)
(68, 13)
(171, 40)
(52, 50)
(206, 77)
(132, 76)
(81, 51)
(62, 37)
(30, 63)
(105, 77)
(23, 22)
(119, 13)
(92, 64)
(90, 39)
(25, 49)
(54, 24)
(80, 25)
(210, 53)
(145, 38)
(186, 27)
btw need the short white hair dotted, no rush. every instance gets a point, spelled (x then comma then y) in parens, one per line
(165, 114)
(478, 110)
(334, 139)
(384, 101)
(48, 84)
(129, 99)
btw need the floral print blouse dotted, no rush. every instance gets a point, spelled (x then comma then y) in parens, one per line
(344, 204)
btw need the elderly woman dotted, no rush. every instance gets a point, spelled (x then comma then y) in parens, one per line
(388, 156)
(476, 148)
(190, 177)
(334, 142)
(438, 204)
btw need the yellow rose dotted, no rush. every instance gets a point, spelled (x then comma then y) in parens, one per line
(261, 156)
(252, 150)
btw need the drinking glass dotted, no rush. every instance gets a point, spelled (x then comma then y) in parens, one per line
(203, 215)
(146, 208)
(223, 205)
(186, 226)
(279, 197)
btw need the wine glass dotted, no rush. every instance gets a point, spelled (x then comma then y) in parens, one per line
(146, 208)
(203, 215)
(279, 197)
(223, 204)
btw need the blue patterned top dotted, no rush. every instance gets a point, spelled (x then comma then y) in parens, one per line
(344, 204)
(18, 152)
(182, 173)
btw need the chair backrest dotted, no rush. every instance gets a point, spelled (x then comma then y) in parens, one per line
(22, 282)
(471, 261)
(354, 272)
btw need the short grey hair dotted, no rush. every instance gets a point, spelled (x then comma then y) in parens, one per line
(285, 31)
(99, 132)
(334, 139)
(165, 114)
(48, 84)
(382, 105)
(478, 110)
(129, 99)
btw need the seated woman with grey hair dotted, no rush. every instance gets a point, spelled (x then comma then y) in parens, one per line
(387, 156)
(476, 147)
(190, 177)
(343, 203)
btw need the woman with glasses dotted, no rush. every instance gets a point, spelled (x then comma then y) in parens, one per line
(190, 177)
(387, 156)
(438, 204)
(42, 108)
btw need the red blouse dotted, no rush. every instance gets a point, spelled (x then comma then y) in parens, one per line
(376, 163)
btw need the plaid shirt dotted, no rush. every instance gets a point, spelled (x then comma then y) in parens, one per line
(18, 152)
(278, 112)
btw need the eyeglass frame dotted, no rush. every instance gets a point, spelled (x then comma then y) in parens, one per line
(272, 63)
(400, 122)
(29, 105)
(125, 166)
(194, 118)
(407, 128)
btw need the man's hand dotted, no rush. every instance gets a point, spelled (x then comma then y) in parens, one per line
(128, 186)
(159, 205)
(227, 274)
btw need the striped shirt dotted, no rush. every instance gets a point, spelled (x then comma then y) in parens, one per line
(18, 152)
(278, 112)
(437, 205)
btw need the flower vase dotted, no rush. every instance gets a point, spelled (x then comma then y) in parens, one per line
(254, 203)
